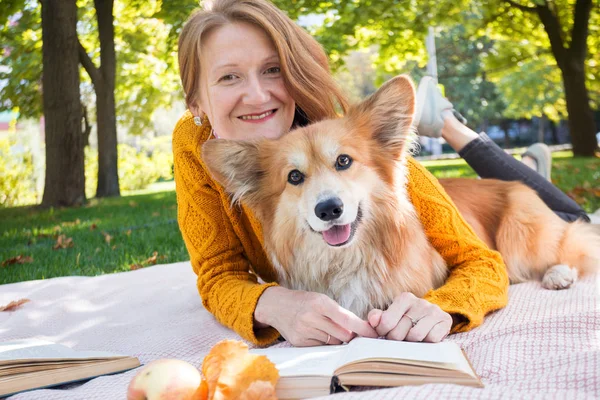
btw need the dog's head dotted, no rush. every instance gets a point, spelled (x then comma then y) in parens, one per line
(316, 185)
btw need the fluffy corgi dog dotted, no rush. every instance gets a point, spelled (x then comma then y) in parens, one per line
(337, 219)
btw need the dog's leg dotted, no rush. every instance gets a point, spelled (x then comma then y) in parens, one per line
(560, 276)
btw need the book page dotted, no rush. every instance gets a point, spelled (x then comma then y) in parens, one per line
(446, 354)
(304, 361)
(33, 349)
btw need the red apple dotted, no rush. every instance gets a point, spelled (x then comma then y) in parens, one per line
(165, 379)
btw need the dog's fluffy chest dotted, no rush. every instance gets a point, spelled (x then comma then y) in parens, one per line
(357, 278)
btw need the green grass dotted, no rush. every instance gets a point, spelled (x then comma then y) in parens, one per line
(139, 225)
(145, 222)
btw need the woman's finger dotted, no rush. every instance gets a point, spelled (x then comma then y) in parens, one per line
(401, 330)
(325, 338)
(391, 317)
(438, 332)
(374, 317)
(348, 320)
(329, 327)
(422, 328)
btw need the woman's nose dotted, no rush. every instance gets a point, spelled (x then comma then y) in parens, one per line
(257, 92)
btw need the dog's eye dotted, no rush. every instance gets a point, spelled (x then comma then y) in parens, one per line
(295, 177)
(343, 162)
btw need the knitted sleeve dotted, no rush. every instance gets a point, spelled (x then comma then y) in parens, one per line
(478, 280)
(229, 290)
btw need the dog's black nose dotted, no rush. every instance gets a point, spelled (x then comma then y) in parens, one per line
(329, 209)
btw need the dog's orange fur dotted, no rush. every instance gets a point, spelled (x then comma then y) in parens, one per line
(511, 218)
(390, 252)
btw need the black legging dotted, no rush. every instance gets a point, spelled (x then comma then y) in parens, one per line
(490, 161)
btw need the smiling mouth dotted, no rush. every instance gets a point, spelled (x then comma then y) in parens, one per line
(340, 235)
(258, 117)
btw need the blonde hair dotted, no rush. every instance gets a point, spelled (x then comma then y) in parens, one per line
(304, 64)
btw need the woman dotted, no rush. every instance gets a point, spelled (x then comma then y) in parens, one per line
(248, 71)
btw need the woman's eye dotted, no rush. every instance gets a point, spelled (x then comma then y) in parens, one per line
(343, 162)
(228, 77)
(295, 177)
(273, 70)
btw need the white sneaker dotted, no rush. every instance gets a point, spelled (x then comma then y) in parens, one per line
(430, 104)
(543, 157)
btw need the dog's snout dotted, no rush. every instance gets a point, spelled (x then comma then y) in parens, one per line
(329, 209)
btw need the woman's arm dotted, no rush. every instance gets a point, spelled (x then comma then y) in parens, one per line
(478, 280)
(227, 287)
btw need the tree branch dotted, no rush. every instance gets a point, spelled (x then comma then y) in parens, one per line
(89, 66)
(579, 33)
(521, 7)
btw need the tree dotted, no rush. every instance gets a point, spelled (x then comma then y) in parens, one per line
(65, 179)
(566, 26)
(144, 79)
(103, 79)
(559, 28)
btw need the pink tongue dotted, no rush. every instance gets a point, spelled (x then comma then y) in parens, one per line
(337, 234)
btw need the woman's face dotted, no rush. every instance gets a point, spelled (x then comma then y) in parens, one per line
(241, 85)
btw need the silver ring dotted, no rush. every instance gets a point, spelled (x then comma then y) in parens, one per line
(328, 339)
(412, 321)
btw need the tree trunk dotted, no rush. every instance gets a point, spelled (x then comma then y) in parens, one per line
(65, 178)
(541, 128)
(505, 126)
(108, 176)
(582, 126)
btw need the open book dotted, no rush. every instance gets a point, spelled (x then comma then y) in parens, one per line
(35, 364)
(319, 371)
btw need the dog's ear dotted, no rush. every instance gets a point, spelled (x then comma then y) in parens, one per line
(234, 164)
(389, 113)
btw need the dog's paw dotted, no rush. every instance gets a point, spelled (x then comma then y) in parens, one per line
(560, 276)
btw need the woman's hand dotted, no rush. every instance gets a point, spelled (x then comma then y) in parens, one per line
(307, 318)
(412, 319)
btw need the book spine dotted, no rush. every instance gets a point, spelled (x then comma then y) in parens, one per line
(336, 386)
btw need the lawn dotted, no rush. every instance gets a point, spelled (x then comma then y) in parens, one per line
(139, 230)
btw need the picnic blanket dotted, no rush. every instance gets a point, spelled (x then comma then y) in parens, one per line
(544, 344)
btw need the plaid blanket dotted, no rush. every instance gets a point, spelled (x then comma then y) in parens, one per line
(544, 344)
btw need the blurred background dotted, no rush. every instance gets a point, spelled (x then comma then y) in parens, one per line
(87, 121)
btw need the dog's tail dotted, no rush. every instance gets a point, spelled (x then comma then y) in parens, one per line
(580, 247)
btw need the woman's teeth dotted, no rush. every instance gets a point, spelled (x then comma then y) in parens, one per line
(261, 116)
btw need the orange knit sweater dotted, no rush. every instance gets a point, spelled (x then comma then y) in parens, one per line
(226, 246)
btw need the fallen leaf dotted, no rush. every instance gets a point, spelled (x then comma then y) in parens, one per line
(13, 305)
(133, 267)
(114, 247)
(128, 233)
(63, 242)
(71, 223)
(133, 204)
(20, 259)
(152, 260)
(56, 228)
(107, 237)
(156, 214)
(93, 226)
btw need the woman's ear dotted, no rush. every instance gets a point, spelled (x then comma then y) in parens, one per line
(196, 110)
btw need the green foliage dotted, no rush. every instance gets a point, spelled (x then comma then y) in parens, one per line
(147, 71)
(137, 169)
(21, 60)
(17, 181)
